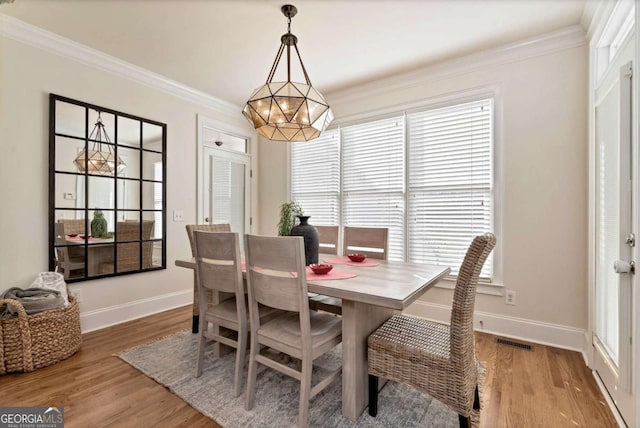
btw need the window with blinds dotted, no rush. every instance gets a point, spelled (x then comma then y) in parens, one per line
(315, 178)
(373, 179)
(427, 176)
(449, 182)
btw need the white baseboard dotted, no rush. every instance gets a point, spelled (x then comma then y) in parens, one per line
(112, 315)
(555, 335)
(587, 349)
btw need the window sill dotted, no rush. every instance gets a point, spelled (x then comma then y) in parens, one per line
(484, 286)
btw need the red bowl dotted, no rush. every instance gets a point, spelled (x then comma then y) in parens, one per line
(72, 235)
(357, 257)
(321, 269)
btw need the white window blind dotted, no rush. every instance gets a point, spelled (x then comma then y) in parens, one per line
(450, 182)
(373, 179)
(228, 193)
(315, 178)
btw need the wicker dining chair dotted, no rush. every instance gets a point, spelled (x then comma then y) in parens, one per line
(129, 252)
(72, 225)
(300, 333)
(371, 241)
(436, 359)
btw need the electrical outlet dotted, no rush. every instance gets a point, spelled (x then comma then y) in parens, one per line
(178, 215)
(77, 293)
(510, 297)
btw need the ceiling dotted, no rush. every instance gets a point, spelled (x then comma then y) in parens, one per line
(226, 47)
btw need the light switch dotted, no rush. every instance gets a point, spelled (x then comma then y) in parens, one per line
(69, 195)
(178, 215)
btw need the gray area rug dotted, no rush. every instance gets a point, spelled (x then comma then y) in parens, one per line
(171, 362)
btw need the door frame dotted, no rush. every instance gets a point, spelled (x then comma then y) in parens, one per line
(201, 179)
(598, 26)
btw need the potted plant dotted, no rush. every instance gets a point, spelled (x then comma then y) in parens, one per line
(98, 225)
(288, 217)
(294, 222)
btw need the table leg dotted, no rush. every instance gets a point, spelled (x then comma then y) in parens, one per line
(195, 323)
(196, 313)
(359, 320)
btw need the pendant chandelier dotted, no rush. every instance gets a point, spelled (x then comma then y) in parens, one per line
(96, 161)
(288, 111)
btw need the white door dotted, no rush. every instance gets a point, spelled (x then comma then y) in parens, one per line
(228, 190)
(614, 240)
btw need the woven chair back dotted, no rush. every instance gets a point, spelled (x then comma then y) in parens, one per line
(129, 253)
(72, 225)
(464, 296)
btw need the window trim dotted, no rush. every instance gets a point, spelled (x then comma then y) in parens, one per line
(495, 91)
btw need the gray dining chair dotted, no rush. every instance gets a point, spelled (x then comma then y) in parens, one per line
(191, 228)
(300, 333)
(219, 266)
(67, 260)
(371, 241)
(328, 239)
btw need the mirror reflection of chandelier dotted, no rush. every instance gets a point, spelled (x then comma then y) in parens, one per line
(96, 161)
(288, 111)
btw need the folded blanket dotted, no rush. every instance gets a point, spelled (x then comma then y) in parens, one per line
(34, 300)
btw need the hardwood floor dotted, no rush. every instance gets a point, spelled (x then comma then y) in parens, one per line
(546, 387)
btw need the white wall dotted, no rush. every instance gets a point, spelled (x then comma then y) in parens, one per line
(27, 76)
(544, 178)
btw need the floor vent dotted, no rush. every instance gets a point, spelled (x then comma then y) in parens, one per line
(514, 344)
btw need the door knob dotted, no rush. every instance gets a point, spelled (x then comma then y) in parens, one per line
(621, 266)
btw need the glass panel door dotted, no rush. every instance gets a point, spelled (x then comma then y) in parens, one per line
(227, 187)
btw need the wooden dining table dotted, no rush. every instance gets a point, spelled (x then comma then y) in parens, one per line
(368, 300)
(99, 250)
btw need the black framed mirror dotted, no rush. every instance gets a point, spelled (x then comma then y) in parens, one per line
(107, 191)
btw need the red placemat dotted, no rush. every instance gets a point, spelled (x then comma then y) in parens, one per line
(81, 239)
(334, 274)
(346, 261)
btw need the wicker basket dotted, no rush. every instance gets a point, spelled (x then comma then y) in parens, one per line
(30, 342)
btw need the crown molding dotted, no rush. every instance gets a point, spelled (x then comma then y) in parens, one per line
(595, 16)
(565, 38)
(588, 13)
(37, 37)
